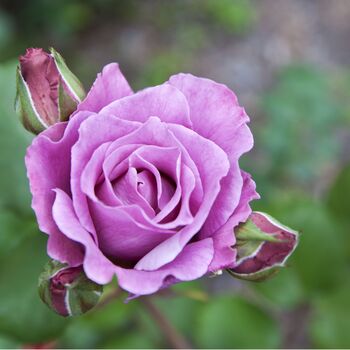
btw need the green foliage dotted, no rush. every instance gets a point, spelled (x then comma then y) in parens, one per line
(234, 15)
(330, 319)
(160, 69)
(14, 192)
(284, 290)
(232, 322)
(22, 314)
(299, 137)
(8, 343)
(339, 194)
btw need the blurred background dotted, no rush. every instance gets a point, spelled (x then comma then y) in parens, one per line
(288, 62)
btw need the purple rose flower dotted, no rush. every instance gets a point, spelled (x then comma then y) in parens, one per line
(144, 186)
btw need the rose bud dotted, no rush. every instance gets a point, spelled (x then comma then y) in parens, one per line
(47, 91)
(67, 290)
(263, 247)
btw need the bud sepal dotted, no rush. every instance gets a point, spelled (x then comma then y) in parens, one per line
(263, 247)
(67, 290)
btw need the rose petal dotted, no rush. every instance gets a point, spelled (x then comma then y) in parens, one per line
(224, 238)
(214, 109)
(147, 187)
(163, 101)
(63, 249)
(213, 165)
(110, 85)
(93, 133)
(216, 115)
(190, 264)
(97, 267)
(48, 166)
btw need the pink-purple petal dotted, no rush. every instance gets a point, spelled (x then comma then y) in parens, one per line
(163, 101)
(110, 85)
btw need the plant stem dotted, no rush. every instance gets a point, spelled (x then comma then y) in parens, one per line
(109, 298)
(175, 339)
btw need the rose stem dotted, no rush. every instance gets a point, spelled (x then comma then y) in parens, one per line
(175, 339)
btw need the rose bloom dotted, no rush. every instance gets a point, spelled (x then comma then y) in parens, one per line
(144, 186)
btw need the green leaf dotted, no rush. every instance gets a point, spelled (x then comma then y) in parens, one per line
(101, 326)
(284, 289)
(8, 343)
(14, 229)
(22, 314)
(232, 322)
(339, 194)
(330, 319)
(133, 340)
(13, 143)
(302, 106)
(181, 312)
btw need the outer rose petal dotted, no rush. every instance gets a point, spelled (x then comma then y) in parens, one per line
(214, 109)
(110, 85)
(163, 101)
(224, 238)
(48, 166)
(216, 115)
(190, 264)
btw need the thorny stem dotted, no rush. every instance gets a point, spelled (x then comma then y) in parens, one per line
(175, 339)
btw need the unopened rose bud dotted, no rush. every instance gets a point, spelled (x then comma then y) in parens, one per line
(263, 247)
(67, 290)
(47, 91)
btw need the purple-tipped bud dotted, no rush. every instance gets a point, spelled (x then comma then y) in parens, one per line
(67, 290)
(47, 91)
(263, 247)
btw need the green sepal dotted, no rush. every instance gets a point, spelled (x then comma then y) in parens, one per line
(258, 276)
(25, 108)
(72, 82)
(83, 295)
(50, 269)
(72, 298)
(248, 231)
(66, 104)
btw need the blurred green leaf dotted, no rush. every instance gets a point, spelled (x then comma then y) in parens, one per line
(13, 142)
(234, 15)
(134, 340)
(23, 316)
(232, 322)
(160, 69)
(339, 194)
(299, 137)
(284, 289)
(181, 312)
(330, 318)
(8, 343)
(79, 336)
(14, 230)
